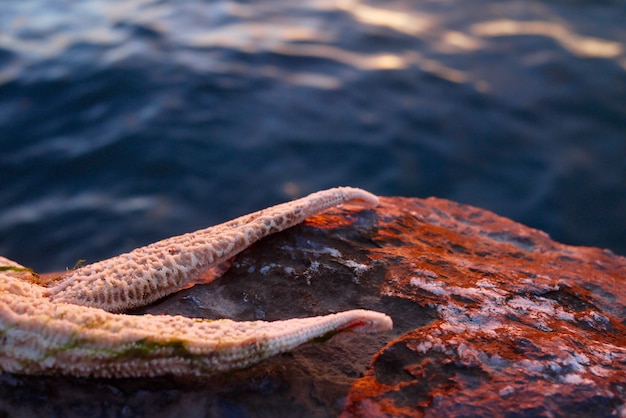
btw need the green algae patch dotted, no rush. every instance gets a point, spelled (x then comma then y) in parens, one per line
(17, 269)
(78, 264)
(146, 348)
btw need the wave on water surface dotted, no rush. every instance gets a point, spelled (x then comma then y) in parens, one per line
(122, 122)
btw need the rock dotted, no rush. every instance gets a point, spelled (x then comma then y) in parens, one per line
(490, 318)
(523, 326)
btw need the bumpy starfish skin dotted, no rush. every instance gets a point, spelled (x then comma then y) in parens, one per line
(69, 327)
(149, 273)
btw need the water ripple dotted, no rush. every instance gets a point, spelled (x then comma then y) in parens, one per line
(126, 121)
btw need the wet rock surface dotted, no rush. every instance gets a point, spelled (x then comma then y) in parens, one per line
(490, 318)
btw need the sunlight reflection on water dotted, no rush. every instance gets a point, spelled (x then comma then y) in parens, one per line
(126, 121)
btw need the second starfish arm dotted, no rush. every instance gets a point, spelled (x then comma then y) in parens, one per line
(43, 337)
(148, 273)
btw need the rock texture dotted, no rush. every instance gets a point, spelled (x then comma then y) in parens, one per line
(491, 318)
(524, 326)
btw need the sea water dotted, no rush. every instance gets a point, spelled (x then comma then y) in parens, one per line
(124, 122)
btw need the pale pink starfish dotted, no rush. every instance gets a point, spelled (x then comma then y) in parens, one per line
(71, 325)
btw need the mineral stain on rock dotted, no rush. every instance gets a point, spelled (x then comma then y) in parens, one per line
(491, 318)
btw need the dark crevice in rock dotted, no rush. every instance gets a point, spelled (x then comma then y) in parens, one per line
(566, 297)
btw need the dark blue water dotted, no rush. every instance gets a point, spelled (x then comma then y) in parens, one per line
(123, 122)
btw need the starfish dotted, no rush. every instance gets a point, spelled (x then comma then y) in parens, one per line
(74, 326)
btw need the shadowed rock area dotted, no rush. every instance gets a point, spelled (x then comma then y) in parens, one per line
(491, 318)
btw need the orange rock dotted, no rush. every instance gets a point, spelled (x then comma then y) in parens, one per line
(523, 326)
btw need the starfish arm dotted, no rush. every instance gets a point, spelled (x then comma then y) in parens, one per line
(43, 337)
(149, 273)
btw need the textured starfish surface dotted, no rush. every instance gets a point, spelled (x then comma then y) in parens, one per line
(72, 325)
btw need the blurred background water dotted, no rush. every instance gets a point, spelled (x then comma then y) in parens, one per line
(126, 121)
